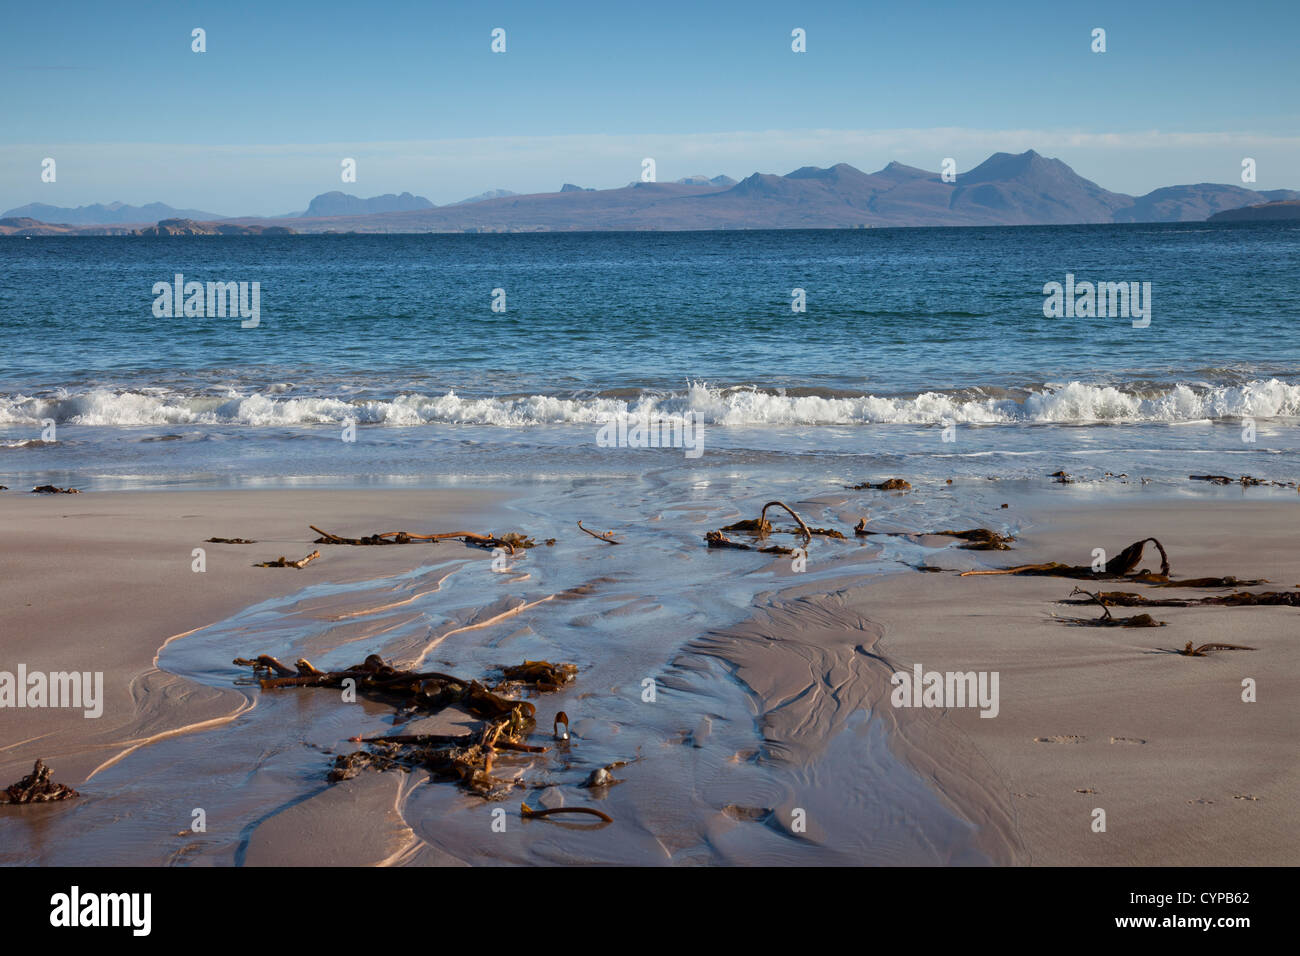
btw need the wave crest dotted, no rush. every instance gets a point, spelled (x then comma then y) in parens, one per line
(1073, 403)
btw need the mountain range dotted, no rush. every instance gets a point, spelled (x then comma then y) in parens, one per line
(102, 214)
(1005, 190)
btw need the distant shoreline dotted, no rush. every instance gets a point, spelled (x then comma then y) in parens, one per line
(145, 231)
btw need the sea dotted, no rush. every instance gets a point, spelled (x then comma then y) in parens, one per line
(855, 352)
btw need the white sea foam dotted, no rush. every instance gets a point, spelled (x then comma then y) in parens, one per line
(1075, 402)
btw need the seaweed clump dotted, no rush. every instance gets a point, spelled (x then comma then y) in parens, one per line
(760, 528)
(1245, 481)
(37, 787)
(889, 484)
(1123, 565)
(977, 539)
(512, 541)
(467, 758)
(1107, 620)
(1204, 649)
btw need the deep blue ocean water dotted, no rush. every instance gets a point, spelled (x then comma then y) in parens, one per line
(905, 331)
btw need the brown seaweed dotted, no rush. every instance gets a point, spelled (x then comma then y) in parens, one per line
(1204, 649)
(37, 787)
(283, 562)
(542, 675)
(978, 539)
(1245, 481)
(51, 490)
(1228, 581)
(761, 528)
(228, 541)
(716, 539)
(890, 484)
(530, 814)
(1120, 566)
(1106, 620)
(1236, 599)
(468, 757)
(511, 541)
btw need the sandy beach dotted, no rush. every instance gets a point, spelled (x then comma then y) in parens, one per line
(786, 710)
(100, 582)
(1187, 773)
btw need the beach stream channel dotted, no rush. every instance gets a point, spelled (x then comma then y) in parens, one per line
(700, 782)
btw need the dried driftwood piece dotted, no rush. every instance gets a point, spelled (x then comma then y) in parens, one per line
(283, 562)
(607, 537)
(1120, 566)
(51, 490)
(510, 541)
(228, 541)
(1204, 649)
(36, 787)
(464, 757)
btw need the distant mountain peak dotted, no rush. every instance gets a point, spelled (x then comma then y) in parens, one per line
(1008, 166)
(900, 171)
(701, 180)
(485, 196)
(336, 203)
(837, 171)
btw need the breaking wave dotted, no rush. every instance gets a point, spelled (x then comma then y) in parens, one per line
(1071, 403)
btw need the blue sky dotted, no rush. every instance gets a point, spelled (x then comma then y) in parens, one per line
(259, 122)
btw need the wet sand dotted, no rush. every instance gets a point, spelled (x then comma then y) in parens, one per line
(786, 710)
(102, 581)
